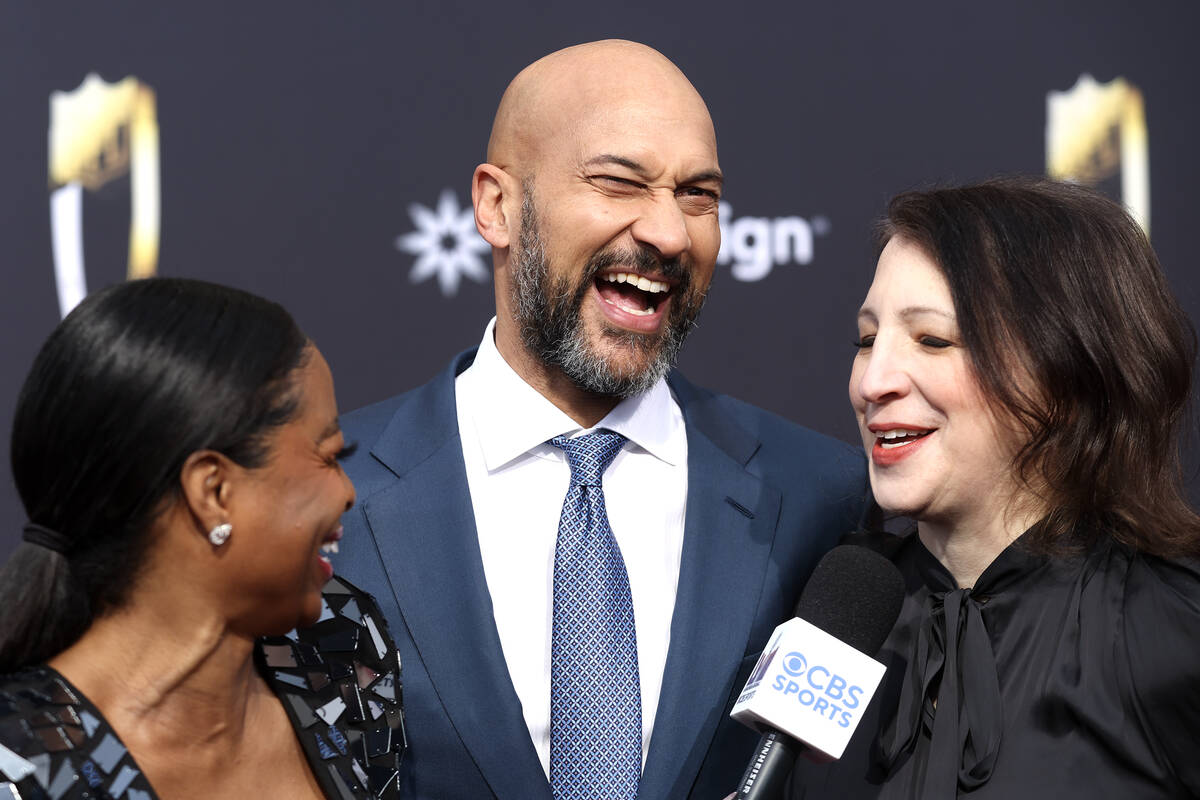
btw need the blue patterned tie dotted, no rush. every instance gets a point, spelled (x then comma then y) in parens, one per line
(595, 694)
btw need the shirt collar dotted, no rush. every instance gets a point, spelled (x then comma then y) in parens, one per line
(512, 418)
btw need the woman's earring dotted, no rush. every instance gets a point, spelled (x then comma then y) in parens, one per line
(220, 534)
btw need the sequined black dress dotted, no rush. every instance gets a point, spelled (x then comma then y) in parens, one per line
(339, 682)
(1074, 677)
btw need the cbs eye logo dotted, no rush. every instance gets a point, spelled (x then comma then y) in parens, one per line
(794, 664)
(820, 690)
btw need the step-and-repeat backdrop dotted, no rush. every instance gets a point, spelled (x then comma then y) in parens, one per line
(320, 154)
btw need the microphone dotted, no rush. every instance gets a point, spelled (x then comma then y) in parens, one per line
(816, 677)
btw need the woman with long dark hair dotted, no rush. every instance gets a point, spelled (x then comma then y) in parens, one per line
(1022, 375)
(170, 626)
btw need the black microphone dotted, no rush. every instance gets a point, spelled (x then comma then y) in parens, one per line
(854, 595)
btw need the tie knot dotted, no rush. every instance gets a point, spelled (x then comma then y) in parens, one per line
(590, 455)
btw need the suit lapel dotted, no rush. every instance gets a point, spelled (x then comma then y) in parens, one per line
(729, 531)
(436, 571)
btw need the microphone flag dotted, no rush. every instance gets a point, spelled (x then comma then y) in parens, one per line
(810, 685)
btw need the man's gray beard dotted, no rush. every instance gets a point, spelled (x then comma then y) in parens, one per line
(548, 314)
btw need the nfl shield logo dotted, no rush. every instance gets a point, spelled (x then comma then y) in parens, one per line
(103, 139)
(1096, 135)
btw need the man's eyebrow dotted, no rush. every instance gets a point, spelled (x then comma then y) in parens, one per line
(713, 175)
(620, 161)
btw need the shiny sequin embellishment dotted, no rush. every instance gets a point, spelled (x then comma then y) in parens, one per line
(55, 745)
(333, 677)
(338, 681)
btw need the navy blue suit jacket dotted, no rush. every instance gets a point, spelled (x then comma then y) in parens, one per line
(766, 499)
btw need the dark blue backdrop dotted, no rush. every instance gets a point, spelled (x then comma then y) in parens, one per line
(300, 140)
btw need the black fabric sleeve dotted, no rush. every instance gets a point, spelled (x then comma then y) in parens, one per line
(1161, 628)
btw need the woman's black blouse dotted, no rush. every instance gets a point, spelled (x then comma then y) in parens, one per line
(1053, 677)
(339, 682)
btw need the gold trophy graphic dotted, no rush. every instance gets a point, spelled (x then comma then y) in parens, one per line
(1096, 135)
(99, 132)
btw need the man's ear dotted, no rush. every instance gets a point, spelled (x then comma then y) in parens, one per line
(491, 188)
(206, 481)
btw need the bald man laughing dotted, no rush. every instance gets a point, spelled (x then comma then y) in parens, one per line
(580, 553)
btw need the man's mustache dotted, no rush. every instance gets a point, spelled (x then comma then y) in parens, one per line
(642, 259)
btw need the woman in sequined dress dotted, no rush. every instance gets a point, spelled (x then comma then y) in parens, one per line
(1021, 376)
(170, 625)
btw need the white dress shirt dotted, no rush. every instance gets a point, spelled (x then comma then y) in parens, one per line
(518, 483)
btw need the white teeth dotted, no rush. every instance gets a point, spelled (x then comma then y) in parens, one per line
(897, 433)
(640, 312)
(329, 547)
(645, 284)
(899, 437)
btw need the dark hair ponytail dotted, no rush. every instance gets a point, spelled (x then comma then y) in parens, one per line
(138, 377)
(39, 606)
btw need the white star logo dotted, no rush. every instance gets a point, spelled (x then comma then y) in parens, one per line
(445, 243)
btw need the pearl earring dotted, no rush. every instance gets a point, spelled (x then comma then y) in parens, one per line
(220, 534)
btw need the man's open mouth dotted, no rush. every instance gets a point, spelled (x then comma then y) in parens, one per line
(631, 292)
